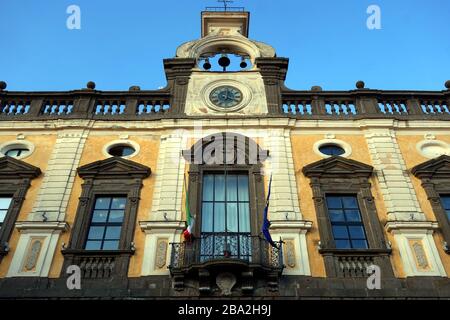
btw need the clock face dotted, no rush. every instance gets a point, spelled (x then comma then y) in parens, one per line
(226, 96)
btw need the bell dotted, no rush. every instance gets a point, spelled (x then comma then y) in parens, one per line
(224, 61)
(243, 64)
(207, 65)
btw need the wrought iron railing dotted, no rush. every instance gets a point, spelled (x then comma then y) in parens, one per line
(239, 247)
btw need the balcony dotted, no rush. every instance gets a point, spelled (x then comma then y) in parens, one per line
(246, 256)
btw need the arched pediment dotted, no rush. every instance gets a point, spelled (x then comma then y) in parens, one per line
(114, 167)
(217, 42)
(225, 147)
(336, 166)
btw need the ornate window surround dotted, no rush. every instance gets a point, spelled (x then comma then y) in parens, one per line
(435, 177)
(15, 179)
(113, 176)
(338, 175)
(208, 271)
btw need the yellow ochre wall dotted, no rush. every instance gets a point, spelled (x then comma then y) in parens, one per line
(148, 155)
(44, 144)
(407, 145)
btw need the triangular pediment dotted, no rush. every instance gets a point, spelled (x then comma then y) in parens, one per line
(438, 168)
(13, 168)
(114, 167)
(337, 166)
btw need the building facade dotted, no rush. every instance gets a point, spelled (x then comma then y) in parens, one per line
(103, 184)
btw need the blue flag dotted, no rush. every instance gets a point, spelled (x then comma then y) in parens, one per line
(266, 222)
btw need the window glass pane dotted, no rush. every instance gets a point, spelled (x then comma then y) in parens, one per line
(4, 203)
(331, 150)
(110, 245)
(113, 233)
(243, 187)
(334, 202)
(93, 245)
(336, 215)
(359, 244)
(207, 217)
(219, 217)
(96, 233)
(121, 151)
(340, 232)
(118, 203)
(2, 215)
(231, 188)
(244, 217)
(350, 202)
(102, 203)
(208, 187)
(356, 232)
(353, 215)
(343, 244)
(219, 188)
(100, 215)
(232, 217)
(116, 216)
(446, 202)
(448, 215)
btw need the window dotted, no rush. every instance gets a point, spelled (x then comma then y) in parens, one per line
(106, 223)
(347, 226)
(4, 206)
(225, 216)
(446, 204)
(121, 151)
(17, 152)
(436, 184)
(351, 236)
(101, 241)
(331, 150)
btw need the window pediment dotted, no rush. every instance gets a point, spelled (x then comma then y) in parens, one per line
(335, 166)
(115, 167)
(438, 168)
(13, 168)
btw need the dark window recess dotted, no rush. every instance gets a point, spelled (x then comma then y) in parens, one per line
(331, 150)
(121, 151)
(347, 226)
(225, 217)
(106, 223)
(446, 204)
(16, 152)
(5, 202)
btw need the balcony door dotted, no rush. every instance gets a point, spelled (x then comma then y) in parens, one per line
(225, 217)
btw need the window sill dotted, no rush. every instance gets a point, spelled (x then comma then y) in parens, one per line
(355, 252)
(96, 252)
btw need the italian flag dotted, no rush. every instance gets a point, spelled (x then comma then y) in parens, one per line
(187, 233)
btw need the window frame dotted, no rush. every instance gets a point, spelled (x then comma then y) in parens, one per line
(15, 180)
(107, 178)
(340, 176)
(435, 177)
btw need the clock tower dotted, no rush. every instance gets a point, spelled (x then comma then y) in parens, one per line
(230, 74)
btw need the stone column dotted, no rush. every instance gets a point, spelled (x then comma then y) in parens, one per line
(165, 225)
(39, 235)
(284, 210)
(406, 221)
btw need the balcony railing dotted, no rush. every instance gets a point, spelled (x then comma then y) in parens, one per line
(143, 105)
(222, 247)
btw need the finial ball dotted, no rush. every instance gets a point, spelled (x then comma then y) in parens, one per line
(90, 85)
(360, 84)
(447, 84)
(2, 85)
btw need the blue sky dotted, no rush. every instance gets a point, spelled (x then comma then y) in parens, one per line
(122, 43)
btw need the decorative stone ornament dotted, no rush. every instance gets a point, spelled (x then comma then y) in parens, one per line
(226, 281)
